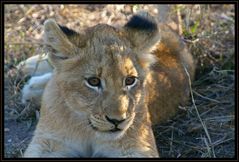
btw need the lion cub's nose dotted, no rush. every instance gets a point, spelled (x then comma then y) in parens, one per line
(114, 121)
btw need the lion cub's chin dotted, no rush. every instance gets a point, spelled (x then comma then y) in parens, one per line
(115, 133)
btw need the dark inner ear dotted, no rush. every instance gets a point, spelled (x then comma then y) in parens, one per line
(141, 23)
(68, 32)
(78, 39)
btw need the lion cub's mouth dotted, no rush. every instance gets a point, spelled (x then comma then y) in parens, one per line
(116, 129)
(102, 125)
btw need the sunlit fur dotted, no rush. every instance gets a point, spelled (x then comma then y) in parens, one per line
(73, 116)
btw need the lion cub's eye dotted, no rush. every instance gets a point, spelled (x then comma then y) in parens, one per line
(94, 81)
(130, 81)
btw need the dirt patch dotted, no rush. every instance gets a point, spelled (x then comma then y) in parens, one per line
(17, 136)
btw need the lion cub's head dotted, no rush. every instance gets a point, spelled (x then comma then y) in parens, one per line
(101, 72)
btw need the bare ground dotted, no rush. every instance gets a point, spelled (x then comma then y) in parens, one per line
(205, 128)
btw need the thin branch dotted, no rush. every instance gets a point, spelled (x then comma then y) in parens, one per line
(210, 99)
(197, 112)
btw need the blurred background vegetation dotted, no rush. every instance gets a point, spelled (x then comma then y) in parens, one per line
(202, 129)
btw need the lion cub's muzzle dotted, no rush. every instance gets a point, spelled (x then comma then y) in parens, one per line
(115, 122)
(107, 124)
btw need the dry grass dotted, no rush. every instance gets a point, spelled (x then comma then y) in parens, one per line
(204, 128)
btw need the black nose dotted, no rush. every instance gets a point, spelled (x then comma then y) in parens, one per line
(114, 121)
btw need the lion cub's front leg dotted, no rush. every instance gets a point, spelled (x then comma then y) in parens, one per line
(130, 154)
(41, 147)
(130, 145)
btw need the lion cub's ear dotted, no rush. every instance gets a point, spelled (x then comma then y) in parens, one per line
(143, 32)
(56, 38)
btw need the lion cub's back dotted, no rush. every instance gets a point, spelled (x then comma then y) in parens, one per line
(168, 83)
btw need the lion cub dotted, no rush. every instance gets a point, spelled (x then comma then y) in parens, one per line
(108, 87)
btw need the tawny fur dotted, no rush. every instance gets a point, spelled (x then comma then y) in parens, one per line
(70, 108)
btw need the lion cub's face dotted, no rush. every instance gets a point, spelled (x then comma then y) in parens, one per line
(101, 73)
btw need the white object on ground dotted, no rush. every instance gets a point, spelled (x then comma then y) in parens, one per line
(35, 65)
(33, 90)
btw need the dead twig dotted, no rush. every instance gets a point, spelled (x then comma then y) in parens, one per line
(210, 99)
(197, 112)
